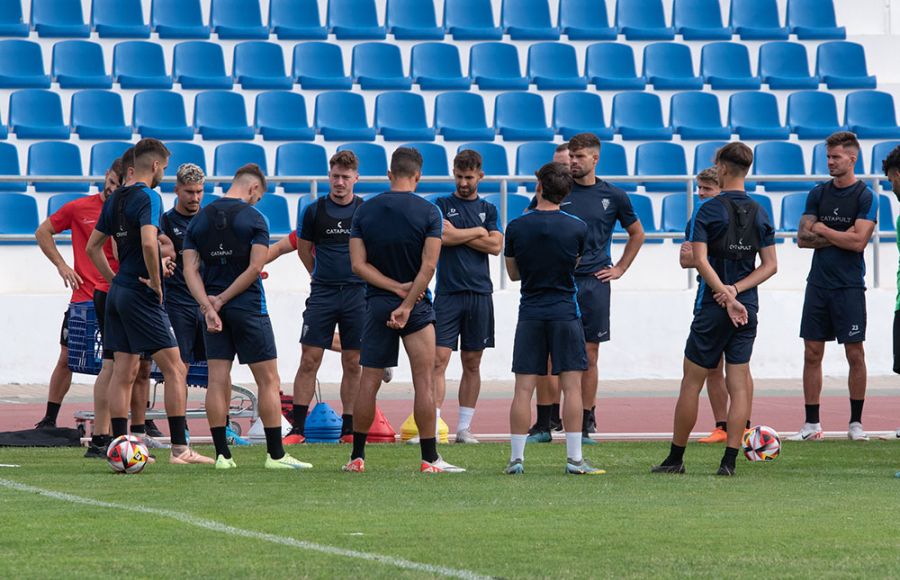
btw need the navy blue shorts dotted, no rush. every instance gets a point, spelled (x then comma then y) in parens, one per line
(593, 301)
(327, 306)
(188, 324)
(380, 344)
(247, 334)
(713, 334)
(561, 340)
(136, 322)
(830, 314)
(466, 318)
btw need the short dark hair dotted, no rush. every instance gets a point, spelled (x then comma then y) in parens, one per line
(127, 160)
(584, 141)
(150, 148)
(252, 170)
(118, 168)
(406, 162)
(892, 161)
(562, 147)
(346, 159)
(467, 160)
(842, 139)
(736, 156)
(556, 181)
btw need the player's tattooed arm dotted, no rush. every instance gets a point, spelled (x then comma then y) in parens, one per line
(854, 239)
(806, 238)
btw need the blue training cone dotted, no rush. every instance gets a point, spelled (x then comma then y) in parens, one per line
(323, 425)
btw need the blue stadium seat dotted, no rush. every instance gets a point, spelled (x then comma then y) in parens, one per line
(871, 115)
(842, 65)
(521, 117)
(372, 163)
(237, 19)
(610, 67)
(182, 153)
(55, 203)
(160, 114)
(296, 20)
(11, 21)
(726, 66)
(119, 19)
(341, 116)
(97, 114)
(660, 159)
(18, 214)
(56, 158)
(643, 20)
(436, 66)
(37, 114)
(613, 163)
(9, 165)
(580, 112)
(755, 115)
(792, 207)
(495, 66)
(378, 65)
(319, 65)
(532, 156)
(229, 157)
(780, 158)
(643, 208)
(784, 65)
(302, 203)
(638, 117)
(412, 20)
(281, 116)
(886, 223)
(516, 205)
(820, 161)
(221, 115)
(103, 154)
(58, 18)
(493, 162)
(434, 164)
(668, 65)
(275, 208)
(553, 66)
(139, 64)
(756, 20)
(260, 65)
(301, 159)
(696, 116)
(527, 20)
(812, 114)
(22, 65)
(585, 20)
(704, 153)
(78, 64)
(471, 20)
(765, 202)
(199, 64)
(178, 19)
(400, 116)
(674, 215)
(814, 20)
(879, 153)
(354, 20)
(699, 20)
(459, 116)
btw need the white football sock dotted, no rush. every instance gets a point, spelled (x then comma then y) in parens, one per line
(465, 418)
(573, 446)
(437, 424)
(518, 447)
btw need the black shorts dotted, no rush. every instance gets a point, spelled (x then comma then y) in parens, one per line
(136, 322)
(100, 313)
(464, 318)
(330, 306)
(380, 344)
(561, 340)
(64, 331)
(839, 313)
(248, 335)
(713, 334)
(593, 301)
(188, 324)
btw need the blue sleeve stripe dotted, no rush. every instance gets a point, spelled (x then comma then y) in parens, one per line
(155, 206)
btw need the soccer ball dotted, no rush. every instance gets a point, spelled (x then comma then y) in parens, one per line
(127, 454)
(761, 443)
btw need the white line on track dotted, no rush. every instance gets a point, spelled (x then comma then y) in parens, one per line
(232, 531)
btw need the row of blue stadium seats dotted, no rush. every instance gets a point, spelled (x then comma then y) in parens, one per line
(433, 66)
(416, 19)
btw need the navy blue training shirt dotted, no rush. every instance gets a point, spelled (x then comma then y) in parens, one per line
(125, 212)
(461, 268)
(546, 246)
(175, 226)
(330, 234)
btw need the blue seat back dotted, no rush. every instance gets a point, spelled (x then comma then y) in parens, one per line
(783, 59)
(752, 108)
(495, 60)
(352, 14)
(372, 163)
(765, 202)
(459, 109)
(275, 208)
(612, 163)
(294, 14)
(97, 108)
(811, 108)
(55, 203)
(18, 214)
(640, 14)
(56, 158)
(35, 107)
(117, 13)
(811, 13)
(77, 58)
(410, 14)
(792, 207)
(159, 109)
(340, 109)
(552, 59)
(20, 58)
(377, 59)
(434, 164)
(674, 214)
(780, 158)
(468, 14)
(637, 110)
(236, 13)
(520, 110)
(660, 159)
(56, 12)
(9, 165)
(668, 59)
(725, 59)
(886, 221)
(229, 157)
(532, 156)
(525, 14)
(435, 59)
(11, 12)
(198, 58)
(280, 109)
(696, 14)
(220, 109)
(138, 57)
(820, 161)
(258, 58)
(578, 109)
(516, 205)
(318, 59)
(104, 153)
(176, 13)
(301, 159)
(493, 162)
(695, 109)
(610, 60)
(754, 14)
(841, 59)
(879, 152)
(400, 109)
(870, 108)
(704, 153)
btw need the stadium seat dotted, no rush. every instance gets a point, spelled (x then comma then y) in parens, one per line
(756, 20)
(434, 164)
(780, 158)
(643, 20)
(37, 114)
(182, 153)
(11, 21)
(886, 223)
(726, 66)
(820, 161)
(516, 205)
(378, 65)
(229, 157)
(784, 65)
(699, 20)
(400, 116)
(22, 65)
(871, 115)
(704, 153)
(610, 67)
(56, 158)
(471, 20)
(237, 20)
(553, 66)
(660, 159)
(436, 66)
(18, 214)
(160, 114)
(372, 163)
(493, 162)
(199, 64)
(301, 159)
(674, 214)
(792, 207)
(260, 65)
(754, 115)
(613, 163)
(55, 202)
(119, 19)
(530, 157)
(814, 20)
(696, 116)
(495, 66)
(319, 65)
(296, 20)
(354, 20)
(879, 153)
(643, 208)
(140, 64)
(9, 165)
(765, 202)
(275, 208)
(668, 66)
(580, 112)
(842, 65)
(97, 114)
(221, 115)
(812, 114)
(178, 19)
(58, 18)
(585, 20)
(103, 154)
(281, 116)
(341, 116)
(78, 64)
(521, 117)
(638, 117)
(459, 116)
(412, 20)
(527, 20)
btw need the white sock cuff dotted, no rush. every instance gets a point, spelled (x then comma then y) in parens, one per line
(573, 446)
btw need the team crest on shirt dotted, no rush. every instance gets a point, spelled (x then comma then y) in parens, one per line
(482, 215)
(605, 203)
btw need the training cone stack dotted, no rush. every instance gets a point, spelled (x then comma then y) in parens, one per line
(323, 425)
(408, 430)
(381, 431)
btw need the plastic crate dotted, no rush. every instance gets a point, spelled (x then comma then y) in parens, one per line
(197, 375)
(85, 345)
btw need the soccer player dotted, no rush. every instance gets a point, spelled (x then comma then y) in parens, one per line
(891, 168)
(394, 246)
(463, 305)
(543, 248)
(837, 223)
(726, 234)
